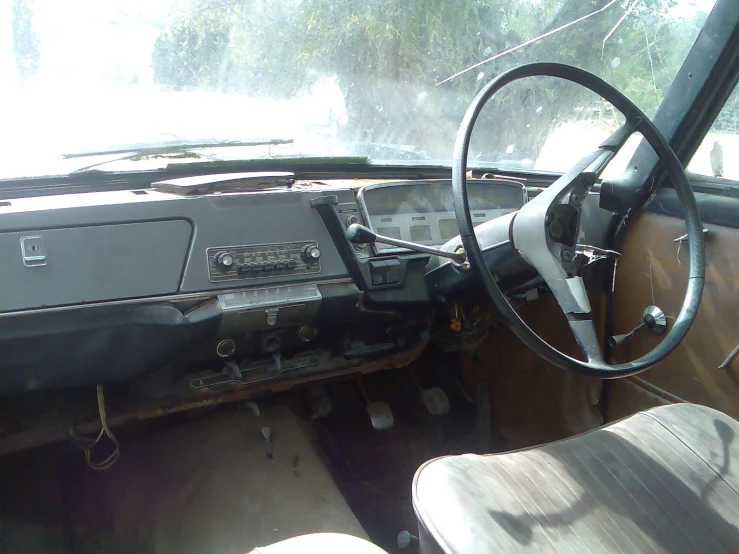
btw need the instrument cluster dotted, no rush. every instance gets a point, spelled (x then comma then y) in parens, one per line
(423, 211)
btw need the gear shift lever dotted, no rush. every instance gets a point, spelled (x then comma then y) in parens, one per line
(359, 234)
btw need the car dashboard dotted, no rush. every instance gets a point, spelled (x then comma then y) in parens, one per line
(212, 292)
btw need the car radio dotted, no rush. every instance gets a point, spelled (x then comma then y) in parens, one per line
(230, 263)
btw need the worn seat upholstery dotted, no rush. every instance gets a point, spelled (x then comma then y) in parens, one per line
(663, 480)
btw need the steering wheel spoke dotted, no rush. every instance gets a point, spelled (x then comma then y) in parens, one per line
(545, 233)
(587, 339)
(545, 230)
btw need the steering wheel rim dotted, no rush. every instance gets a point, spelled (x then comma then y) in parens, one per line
(636, 121)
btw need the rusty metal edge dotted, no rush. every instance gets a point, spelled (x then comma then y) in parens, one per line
(49, 431)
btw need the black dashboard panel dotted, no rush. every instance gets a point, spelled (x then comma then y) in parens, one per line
(97, 344)
(423, 211)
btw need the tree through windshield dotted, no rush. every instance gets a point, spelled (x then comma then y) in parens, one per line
(385, 79)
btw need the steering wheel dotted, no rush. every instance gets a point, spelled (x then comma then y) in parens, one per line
(544, 231)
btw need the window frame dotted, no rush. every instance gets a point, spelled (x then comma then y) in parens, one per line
(699, 91)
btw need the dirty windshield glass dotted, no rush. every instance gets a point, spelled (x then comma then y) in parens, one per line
(388, 80)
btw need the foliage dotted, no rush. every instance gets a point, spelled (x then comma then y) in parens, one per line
(188, 55)
(388, 56)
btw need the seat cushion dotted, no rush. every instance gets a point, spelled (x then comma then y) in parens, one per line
(664, 480)
(321, 543)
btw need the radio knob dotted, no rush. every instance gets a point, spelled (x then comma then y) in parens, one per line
(311, 253)
(223, 261)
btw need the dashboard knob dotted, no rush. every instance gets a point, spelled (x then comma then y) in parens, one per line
(311, 253)
(351, 220)
(307, 333)
(223, 261)
(226, 348)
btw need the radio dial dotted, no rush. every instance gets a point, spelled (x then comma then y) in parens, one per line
(311, 253)
(223, 261)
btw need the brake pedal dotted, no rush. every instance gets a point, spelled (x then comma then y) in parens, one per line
(381, 415)
(379, 412)
(434, 398)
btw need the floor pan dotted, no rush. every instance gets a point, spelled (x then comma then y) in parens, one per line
(375, 469)
(199, 487)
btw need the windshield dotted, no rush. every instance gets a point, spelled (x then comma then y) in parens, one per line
(387, 80)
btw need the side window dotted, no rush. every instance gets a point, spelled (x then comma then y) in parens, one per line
(718, 154)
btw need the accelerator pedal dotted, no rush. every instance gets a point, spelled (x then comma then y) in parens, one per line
(434, 398)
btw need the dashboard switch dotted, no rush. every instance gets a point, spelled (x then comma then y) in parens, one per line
(386, 272)
(377, 270)
(393, 274)
(378, 278)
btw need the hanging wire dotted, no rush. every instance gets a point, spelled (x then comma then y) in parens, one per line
(87, 444)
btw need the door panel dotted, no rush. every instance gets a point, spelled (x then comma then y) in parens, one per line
(653, 270)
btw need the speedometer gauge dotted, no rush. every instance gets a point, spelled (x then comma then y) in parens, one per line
(423, 211)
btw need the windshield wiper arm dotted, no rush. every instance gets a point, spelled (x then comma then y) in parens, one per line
(173, 149)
